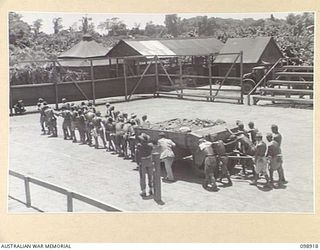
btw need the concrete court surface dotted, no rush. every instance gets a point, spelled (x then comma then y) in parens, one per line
(112, 180)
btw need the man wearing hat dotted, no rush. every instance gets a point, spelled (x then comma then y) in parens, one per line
(19, 108)
(145, 122)
(44, 117)
(136, 119)
(108, 109)
(275, 159)
(260, 161)
(65, 104)
(91, 107)
(166, 154)
(210, 165)
(144, 161)
(40, 106)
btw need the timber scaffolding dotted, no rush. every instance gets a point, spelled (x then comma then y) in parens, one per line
(289, 84)
(133, 75)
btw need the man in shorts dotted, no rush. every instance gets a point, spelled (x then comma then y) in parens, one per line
(252, 132)
(276, 135)
(210, 165)
(98, 130)
(260, 161)
(275, 159)
(222, 159)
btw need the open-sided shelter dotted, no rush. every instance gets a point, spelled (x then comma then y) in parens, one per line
(194, 48)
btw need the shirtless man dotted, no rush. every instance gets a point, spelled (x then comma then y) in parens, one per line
(51, 121)
(119, 136)
(276, 135)
(260, 161)
(252, 132)
(98, 130)
(210, 165)
(82, 126)
(222, 159)
(108, 127)
(89, 126)
(275, 159)
(74, 123)
(66, 124)
(145, 122)
(39, 107)
(127, 129)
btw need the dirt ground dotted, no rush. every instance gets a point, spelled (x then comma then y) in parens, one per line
(114, 181)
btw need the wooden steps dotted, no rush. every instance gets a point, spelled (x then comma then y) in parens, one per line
(208, 97)
(289, 83)
(294, 74)
(283, 91)
(297, 68)
(282, 99)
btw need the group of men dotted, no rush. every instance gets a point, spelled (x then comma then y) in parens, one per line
(115, 129)
(83, 123)
(263, 158)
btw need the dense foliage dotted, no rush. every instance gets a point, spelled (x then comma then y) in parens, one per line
(27, 42)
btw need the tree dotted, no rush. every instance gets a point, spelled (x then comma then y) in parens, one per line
(36, 26)
(171, 22)
(57, 24)
(19, 31)
(154, 30)
(87, 27)
(113, 26)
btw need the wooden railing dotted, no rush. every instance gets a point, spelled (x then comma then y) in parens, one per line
(69, 194)
(262, 80)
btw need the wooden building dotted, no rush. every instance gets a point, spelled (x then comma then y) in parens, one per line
(256, 51)
(79, 58)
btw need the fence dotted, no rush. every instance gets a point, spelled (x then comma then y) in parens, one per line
(127, 76)
(72, 195)
(210, 93)
(69, 194)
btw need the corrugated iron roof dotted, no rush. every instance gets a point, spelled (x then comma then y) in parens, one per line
(147, 48)
(193, 46)
(86, 63)
(185, 46)
(252, 48)
(85, 49)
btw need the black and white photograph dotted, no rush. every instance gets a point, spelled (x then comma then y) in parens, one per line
(161, 112)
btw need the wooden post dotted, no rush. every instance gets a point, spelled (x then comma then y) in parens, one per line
(180, 77)
(156, 74)
(117, 67)
(56, 79)
(241, 76)
(92, 83)
(210, 77)
(156, 177)
(125, 79)
(69, 202)
(27, 191)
